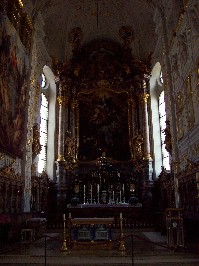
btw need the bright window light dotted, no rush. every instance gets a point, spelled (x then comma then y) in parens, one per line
(43, 133)
(43, 81)
(162, 115)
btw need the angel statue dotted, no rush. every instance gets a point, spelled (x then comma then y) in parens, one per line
(69, 148)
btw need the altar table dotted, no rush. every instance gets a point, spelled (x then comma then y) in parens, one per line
(106, 210)
(93, 230)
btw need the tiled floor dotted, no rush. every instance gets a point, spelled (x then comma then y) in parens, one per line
(147, 247)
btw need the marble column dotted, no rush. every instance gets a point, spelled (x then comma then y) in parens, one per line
(61, 186)
(76, 129)
(62, 100)
(131, 125)
(147, 155)
(60, 163)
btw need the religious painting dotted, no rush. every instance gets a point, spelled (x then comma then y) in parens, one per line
(14, 64)
(103, 126)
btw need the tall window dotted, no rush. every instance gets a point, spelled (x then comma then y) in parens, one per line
(43, 133)
(162, 115)
(43, 81)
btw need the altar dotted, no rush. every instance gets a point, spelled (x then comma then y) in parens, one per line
(90, 230)
(106, 210)
(103, 154)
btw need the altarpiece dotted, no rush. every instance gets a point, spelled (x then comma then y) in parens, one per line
(103, 137)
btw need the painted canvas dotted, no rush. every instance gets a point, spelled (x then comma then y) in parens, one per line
(14, 64)
(104, 126)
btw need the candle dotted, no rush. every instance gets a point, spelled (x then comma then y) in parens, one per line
(120, 215)
(64, 216)
(91, 194)
(84, 194)
(123, 188)
(113, 195)
(69, 215)
(98, 193)
(120, 195)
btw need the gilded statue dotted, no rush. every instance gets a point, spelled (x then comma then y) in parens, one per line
(69, 145)
(138, 146)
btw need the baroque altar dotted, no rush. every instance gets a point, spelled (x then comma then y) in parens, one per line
(103, 149)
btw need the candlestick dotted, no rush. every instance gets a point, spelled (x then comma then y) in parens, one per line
(121, 242)
(124, 199)
(84, 194)
(64, 246)
(91, 194)
(98, 193)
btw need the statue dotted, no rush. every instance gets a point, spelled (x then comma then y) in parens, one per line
(167, 142)
(69, 145)
(138, 146)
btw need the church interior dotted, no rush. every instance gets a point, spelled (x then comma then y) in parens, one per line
(100, 118)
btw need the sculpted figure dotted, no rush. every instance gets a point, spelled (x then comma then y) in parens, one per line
(69, 145)
(168, 143)
(138, 146)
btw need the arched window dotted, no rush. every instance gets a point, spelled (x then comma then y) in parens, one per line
(162, 115)
(43, 133)
(43, 81)
(158, 121)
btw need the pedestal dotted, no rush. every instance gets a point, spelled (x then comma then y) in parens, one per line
(61, 187)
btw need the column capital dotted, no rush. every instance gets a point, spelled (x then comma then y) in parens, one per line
(60, 158)
(144, 96)
(62, 99)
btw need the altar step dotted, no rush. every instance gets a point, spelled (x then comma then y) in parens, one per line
(159, 260)
(144, 253)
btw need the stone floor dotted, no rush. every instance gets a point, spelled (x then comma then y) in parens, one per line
(148, 248)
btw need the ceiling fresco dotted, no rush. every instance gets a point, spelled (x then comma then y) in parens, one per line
(97, 19)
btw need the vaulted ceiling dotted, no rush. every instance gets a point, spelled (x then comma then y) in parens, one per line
(97, 19)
